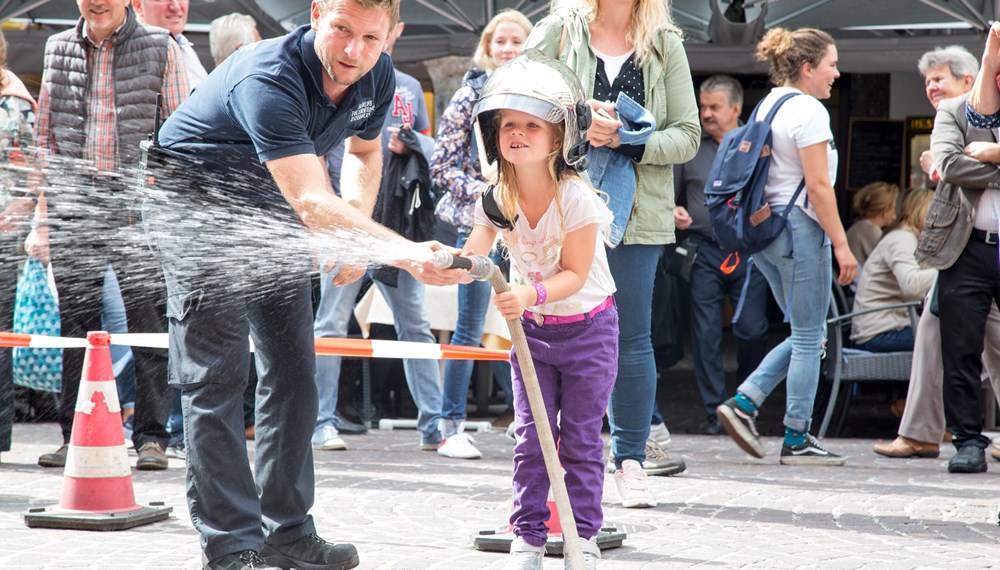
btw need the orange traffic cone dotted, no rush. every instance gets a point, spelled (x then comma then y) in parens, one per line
(97, 482)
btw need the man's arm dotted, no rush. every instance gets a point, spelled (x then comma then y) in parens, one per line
(948, 143)
(361, 173)
(305, 185)
(985, 97)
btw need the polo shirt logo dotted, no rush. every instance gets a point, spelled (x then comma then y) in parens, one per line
(363, 110)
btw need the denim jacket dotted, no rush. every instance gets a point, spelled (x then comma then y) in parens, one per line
(612, 171)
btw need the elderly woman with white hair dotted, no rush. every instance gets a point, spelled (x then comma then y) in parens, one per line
(229, 33)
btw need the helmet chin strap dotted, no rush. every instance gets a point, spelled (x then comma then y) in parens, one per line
(489, 168)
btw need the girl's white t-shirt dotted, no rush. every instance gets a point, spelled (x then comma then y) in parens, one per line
(536, 253)
(800, 122)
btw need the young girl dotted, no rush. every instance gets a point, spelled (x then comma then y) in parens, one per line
(531, 116)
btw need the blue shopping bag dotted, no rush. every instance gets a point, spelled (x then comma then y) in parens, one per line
(36, 312)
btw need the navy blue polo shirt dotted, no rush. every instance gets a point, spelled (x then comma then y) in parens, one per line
(266, 101)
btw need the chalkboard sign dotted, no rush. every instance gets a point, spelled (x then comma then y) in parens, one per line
(875, 152)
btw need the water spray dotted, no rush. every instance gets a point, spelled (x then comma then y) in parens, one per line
(481, 268)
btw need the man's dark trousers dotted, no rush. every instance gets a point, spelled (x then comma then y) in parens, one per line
(709, 286)
(965, 292)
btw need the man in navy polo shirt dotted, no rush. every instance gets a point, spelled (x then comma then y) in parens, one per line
(238, 173)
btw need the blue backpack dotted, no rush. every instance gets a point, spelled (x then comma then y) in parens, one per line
(740, 216)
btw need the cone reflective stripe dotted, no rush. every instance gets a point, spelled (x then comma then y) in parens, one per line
(97, 475)
(346, 347)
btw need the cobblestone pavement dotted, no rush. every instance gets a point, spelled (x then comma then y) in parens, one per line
(405, 509)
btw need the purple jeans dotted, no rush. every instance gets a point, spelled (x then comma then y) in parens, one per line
(576, 365)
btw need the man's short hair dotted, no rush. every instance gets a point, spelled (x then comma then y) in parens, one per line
(391, 8)
(733, 89)
(228, 33)
(958, 59)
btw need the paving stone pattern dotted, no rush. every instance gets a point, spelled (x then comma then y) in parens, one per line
(408, 509)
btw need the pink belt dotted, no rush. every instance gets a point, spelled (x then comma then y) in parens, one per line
(567, 319)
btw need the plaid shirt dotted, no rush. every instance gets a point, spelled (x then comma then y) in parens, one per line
(101, 147)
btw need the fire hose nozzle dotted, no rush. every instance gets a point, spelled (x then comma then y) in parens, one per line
(479, 267)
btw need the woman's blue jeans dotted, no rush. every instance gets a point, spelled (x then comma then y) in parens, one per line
(798, 267)
(631, 405)
(473, 301)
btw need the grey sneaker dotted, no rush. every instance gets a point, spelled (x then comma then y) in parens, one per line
(741, 427)
(311, 553)
(151, 457)
(246, 560)
(176, 451)
(523, 556)
(659, 463)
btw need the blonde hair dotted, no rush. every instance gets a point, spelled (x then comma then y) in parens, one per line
(787, 51)
(483, 58)
(874, 198)
(915, 205)
(649, 19)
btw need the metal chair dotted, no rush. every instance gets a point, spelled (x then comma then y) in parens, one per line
(845, 365)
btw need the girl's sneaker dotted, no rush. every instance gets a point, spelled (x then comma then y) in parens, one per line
(811, 452)
(591, 554)
(523, 556)
(630, 482)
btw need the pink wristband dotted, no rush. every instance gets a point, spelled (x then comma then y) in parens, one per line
(540, 293)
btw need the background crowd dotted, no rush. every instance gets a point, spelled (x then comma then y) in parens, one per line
(653, 136)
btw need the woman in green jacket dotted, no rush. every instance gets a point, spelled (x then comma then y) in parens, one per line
(632, 48)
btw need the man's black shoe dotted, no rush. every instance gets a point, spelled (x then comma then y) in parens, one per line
(969, 459)
(311, 553)
(246, 560)
(712, 427)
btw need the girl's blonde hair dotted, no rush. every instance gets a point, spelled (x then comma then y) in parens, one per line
(483, 58)
(874, 198)
(649, 19)
(787, 51)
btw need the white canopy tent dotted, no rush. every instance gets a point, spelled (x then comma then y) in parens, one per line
(872, 35)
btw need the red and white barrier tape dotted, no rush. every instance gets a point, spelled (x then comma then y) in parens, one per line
(349, 347)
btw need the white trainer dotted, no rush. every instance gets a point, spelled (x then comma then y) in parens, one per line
(328, 439)
(591, 554)
(459, 446)
(630, 481)
(660, 434)
(523, 556)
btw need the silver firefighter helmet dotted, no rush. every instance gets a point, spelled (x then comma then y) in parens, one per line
(540, 86)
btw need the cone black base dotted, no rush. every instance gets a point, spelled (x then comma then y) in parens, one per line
(54, 517)
(500, 540)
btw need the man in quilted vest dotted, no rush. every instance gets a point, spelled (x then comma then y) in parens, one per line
(98, 101)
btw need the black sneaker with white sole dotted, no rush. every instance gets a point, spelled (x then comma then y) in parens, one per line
(811, 452)
(741, 427)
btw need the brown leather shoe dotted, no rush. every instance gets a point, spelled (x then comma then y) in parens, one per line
(903, 447)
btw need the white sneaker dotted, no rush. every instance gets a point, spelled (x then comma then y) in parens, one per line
(523, 556)
(591, 554)
(459, 446)
(660, 434)
(328, 439)
(630, 481)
